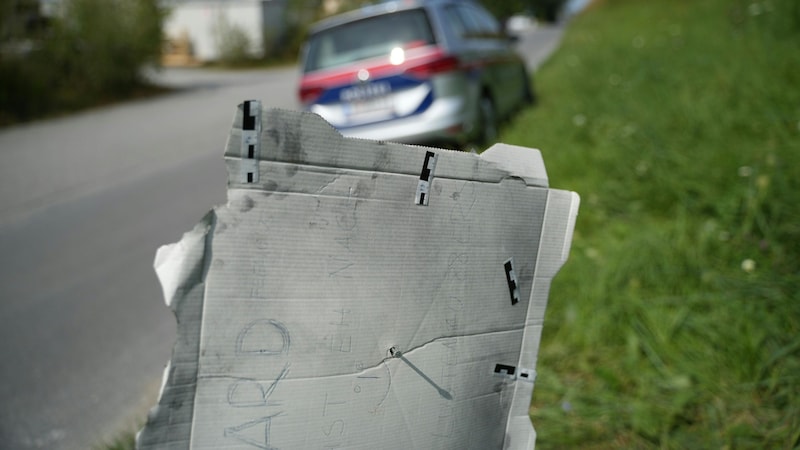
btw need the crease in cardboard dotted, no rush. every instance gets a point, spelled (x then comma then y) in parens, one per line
(246, 261)
(477, 397)
(463, 336)
(402, 353)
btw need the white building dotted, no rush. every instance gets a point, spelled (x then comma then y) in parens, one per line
(204, 23)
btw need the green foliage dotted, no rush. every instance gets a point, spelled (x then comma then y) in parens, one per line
(91, 54)
(297, 18)
(126, 441)
(233, 42)
(101, 45)
(675, 322)
(24, 92)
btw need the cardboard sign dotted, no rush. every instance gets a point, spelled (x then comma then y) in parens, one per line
(359, 295)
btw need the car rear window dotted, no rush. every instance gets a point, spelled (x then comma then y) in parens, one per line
(472, 23)
(368, 38)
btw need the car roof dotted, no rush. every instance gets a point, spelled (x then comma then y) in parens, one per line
(376, 10)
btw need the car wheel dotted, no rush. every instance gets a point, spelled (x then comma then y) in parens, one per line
(489, 130)
(528, 93)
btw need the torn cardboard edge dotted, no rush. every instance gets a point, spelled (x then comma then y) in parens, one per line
(285, 134)
(269, 151)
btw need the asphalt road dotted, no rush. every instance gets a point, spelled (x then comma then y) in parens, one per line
(85, 201)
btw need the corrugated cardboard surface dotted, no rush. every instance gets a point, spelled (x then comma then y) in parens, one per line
(290, 297)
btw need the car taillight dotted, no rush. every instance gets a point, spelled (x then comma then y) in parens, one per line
(435, 66)
(309, 94)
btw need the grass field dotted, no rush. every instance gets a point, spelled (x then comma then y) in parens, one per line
(676, 321)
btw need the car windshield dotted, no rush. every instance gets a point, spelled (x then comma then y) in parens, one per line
(368, 38)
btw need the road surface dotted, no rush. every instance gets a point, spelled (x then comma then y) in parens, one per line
(85, 201)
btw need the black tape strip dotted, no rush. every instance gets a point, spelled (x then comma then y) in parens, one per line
(511, 278)
(249, 177)
(251, 151)
(524, 374)
(426, 172)
(503, 369)
(425, 177)
(248, 120)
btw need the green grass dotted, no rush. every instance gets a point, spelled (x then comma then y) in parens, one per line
(676, 321)
(126, 441)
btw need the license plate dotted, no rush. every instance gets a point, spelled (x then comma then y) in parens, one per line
(371, 105)
(375, 107)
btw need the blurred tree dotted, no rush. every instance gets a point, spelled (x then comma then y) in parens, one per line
(24, 80)
(90, 51)
(100, 46)
(298, 17)
(20, 20)
(233, 42)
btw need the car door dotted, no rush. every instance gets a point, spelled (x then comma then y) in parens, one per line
(491, 55)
